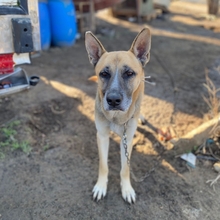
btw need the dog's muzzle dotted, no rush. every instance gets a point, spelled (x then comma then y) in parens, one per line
(114, 100)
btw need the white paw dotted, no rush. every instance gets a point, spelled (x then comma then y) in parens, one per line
(99, 190)
(128, 193)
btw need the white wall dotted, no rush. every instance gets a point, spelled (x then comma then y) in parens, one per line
(8, 2)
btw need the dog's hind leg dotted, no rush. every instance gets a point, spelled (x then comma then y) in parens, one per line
(100, 188)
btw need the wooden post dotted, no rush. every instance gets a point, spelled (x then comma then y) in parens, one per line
(138, 8)
(213, 6)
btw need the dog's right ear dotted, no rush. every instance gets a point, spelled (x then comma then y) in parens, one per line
(94, 48)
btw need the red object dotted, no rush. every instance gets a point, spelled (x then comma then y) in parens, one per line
(6, 63)
(166, 134)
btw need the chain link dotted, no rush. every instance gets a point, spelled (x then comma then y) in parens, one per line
(141, 179)
(125, 144)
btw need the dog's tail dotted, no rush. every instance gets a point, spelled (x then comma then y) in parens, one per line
(93, 78)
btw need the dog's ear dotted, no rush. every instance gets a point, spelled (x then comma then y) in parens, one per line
(94, 48)
(141, 46)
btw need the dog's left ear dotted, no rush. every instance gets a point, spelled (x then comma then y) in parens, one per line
(94, 48)
(141, 46)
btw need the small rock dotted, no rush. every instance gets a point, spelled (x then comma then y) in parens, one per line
(217, 167)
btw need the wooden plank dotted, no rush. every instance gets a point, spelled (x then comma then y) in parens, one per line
(195, 138)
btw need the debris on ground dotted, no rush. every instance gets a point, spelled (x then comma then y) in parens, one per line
(210, 149)
(212, 182)
(190, 158)
(217, 167)
(196, 137)
(166, 134)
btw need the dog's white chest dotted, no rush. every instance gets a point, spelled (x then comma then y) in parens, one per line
(118, 129)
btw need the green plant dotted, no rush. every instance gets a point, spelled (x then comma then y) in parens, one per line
(2, 155)
(9, 134)
(25, 147)
(46, 147)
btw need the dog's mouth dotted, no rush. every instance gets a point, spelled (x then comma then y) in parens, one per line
(118, 108)
(110, 108)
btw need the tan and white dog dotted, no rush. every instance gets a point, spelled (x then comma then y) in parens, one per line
(120, 78)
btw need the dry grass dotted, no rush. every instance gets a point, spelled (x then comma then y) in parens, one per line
(212, 100)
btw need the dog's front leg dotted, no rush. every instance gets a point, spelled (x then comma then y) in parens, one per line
(100, 188)
(128, 192)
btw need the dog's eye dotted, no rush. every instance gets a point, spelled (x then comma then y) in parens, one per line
(128, 74)
(105, 75)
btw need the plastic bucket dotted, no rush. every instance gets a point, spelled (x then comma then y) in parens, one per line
(63, 22)
(44, 19)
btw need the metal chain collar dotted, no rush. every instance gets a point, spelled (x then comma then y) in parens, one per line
(128, 159)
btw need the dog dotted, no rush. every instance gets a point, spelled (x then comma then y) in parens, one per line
(120, 88)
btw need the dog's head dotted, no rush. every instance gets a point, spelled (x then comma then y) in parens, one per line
(119, 73)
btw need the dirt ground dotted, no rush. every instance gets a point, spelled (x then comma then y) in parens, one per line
(55, 180)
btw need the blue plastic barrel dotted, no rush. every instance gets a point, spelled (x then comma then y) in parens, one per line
(44, 19)
(63, 22)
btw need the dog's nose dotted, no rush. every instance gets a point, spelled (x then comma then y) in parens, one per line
(114, 99)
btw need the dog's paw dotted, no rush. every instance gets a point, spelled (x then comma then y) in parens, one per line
(128, 193)
(99, 191)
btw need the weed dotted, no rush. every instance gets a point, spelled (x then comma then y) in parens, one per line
(10, 141)
(8, 132)
(46, 147)
(2, 155)
(212, 100)
(25, 147)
